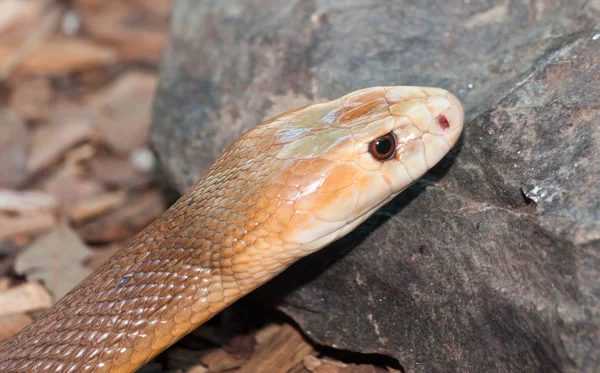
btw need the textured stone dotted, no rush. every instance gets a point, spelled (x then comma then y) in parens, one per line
(489, 264)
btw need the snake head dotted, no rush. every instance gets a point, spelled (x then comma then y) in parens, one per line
(344, 159)
(308, 177)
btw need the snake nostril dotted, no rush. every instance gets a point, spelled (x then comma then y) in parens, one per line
(443, 121)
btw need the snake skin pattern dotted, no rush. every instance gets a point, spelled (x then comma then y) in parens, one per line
(286, 188)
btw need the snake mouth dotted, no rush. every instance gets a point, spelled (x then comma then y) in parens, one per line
(338, 233)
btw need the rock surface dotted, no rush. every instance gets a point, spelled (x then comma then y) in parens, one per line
(489, 264)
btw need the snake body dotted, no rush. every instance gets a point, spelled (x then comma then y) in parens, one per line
(283, 190)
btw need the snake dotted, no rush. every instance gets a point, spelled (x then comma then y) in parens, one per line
(285, 189)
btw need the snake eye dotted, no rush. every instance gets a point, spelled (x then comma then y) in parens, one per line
(384, 147)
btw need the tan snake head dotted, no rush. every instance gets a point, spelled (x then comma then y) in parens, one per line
(286, 188)
(327, 174)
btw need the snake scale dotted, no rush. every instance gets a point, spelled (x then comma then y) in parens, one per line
(284, 189)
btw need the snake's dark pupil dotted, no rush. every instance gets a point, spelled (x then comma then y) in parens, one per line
(383, 146)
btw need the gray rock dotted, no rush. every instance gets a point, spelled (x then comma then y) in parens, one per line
(492, 263)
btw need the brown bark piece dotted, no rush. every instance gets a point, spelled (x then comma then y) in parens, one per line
(278, 354)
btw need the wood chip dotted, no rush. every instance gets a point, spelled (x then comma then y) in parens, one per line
(56, 258)
(30, 296)
(218, 361)
(94, 206)
(14, 141)
(27, 201)
(12, 324)
(11, 226)
(280, 353)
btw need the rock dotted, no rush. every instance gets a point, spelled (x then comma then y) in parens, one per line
(14, 141)
(489, 264)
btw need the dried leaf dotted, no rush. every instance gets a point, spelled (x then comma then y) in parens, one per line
(51, 142)
(30, 296)
(122, 112)
(56, 258)
(13, 149)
